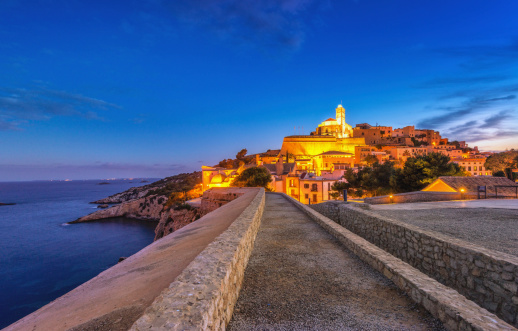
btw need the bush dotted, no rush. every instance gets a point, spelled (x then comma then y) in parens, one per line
(253, 177)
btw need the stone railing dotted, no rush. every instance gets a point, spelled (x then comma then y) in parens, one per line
(487, 277)
(203, 296)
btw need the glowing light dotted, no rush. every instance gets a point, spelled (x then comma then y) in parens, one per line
(462, 190)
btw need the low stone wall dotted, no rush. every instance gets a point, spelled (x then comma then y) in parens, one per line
(203, 296)
(419, 196)
(214, 198)
(487, 277)
(446, 304)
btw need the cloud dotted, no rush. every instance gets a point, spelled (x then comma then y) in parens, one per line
(473, 101)
(484, 56)
(478, 103)
(496, 120)
(20, 105)
(265, 23)
(449, 81)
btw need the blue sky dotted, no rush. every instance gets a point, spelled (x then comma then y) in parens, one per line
(101, 89)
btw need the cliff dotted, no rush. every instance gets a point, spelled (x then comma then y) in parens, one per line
(170, 217)
(148, 208)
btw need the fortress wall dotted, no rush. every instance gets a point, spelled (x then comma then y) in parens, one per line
(487, 277)
(419, 196)
(203, 296)
(446, 304)
(314, 145)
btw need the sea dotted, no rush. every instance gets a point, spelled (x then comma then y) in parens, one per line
(42, 257)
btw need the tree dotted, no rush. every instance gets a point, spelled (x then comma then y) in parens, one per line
(422, 170)
(502, 161)
(375, 180)
(241, 154)
(456, 143)
(337, 188)
(253, 177)
(226, 163)
(370, 159)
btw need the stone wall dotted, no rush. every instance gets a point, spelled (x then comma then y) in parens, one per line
(203, 296)
(419, 196)
(446, 304)
(212, 199)
(487, 277)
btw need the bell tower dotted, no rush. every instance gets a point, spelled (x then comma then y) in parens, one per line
(340, 118)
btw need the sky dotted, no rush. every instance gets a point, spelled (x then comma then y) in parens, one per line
(151, 88)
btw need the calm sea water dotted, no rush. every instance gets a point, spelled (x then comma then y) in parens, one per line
(42, 258)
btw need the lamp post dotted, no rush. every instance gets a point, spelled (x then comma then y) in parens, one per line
(391, 198)
(462, 194)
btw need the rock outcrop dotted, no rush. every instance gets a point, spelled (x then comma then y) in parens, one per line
(170, 217)
(173, 220)
(147, 208)
(131, 194)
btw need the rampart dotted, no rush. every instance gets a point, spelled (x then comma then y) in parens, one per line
(419, 196)
(203, 296)
(188, 280)
(314, 145)
(487, 277)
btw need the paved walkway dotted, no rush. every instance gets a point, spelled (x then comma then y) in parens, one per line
(482, 203)
(300, 278)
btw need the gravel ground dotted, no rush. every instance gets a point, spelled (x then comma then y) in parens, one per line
(300, 278)
(490, 228)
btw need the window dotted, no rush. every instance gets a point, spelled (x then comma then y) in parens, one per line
(314, 198)
(314, 187)
(291, 183)
(469, 168)
(306, 196)
(292, 192)
(306, 186)
(329, 186)
(475, 168)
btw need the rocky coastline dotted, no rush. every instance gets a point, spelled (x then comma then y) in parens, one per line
(7, 204)
(138, 203)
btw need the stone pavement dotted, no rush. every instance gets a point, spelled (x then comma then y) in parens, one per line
(299, 278)
(482, 203)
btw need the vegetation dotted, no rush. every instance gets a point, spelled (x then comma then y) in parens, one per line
(382, 179)
(179, 183)
(253, 177)
(503, 163)
(456, 143)
(418, 143)
(370, 159)
(240, 160)
(423, 170)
